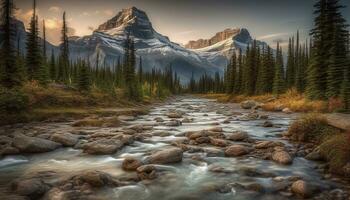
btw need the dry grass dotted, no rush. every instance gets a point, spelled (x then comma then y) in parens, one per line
(311, 128)
(100, 122)
(336, 150)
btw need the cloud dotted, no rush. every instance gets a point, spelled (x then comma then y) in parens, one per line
(55, 9)
(186, 32)
(271, 36)
(279, 40)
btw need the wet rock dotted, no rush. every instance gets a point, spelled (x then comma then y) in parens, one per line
(249, 104)
(8, 150)
(166, 156)
(219, 142)
(238, 136)
(126, 118)
(5, 141)
(27, 144)
(187, 120)
(314, 155)
(203, 140)
(213, 152)
(129, 131)
(96, 178)
(303, 189)
(267, 124)
(236, 150)
(103, 146)
(159, 119)
(174, 123)
(131, 164)
(32, 188)
(216, 129)
(346, 169)
(254, 172)
(257, 187)
(287, 111)
(282, 157)
(147, 172)
(174, 115)
(267, 144)
(125, 139)
(66, 139)
(161, 134)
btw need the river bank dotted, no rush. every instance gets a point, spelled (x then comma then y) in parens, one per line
(184, 148)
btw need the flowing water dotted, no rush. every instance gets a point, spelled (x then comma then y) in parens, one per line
(190, 179)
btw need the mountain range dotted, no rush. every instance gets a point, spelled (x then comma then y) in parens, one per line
(156, 50)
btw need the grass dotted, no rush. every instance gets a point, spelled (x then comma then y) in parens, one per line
(292, 99)
(311, 128)
(334, 145)
(336, 150)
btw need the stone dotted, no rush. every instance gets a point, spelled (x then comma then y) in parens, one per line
(249, 104)
(267, 124)
(218, 142)
(174, 115)
(303, 189)
(282, 157)
(267, 144)
(315, 156)
(126, 118)
(27, 144)
(238, 136)
(66, 139)
(236, 150)
(103, 146)
(166, 156)
(95, 178)
(131, 164)
(146, 172)
(8, 150)
(159, 119)
(203, 140)
(174, 123)
(187, 120)
(161, 134)
(216, 129)
(33, 188)
(287, 111)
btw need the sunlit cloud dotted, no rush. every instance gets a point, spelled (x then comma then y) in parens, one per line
(271, 36)
(108, 12)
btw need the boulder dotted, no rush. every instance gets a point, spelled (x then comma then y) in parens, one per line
(203, 140)
(131, 164)
(174, 115)
(159, 119)
(66, 139)
(238, 136)
(103, 146)
(303, 189)
(126, 118)
(287, 111)
(146, 172)
(282, 157)
(218, 142)
(171, 155)
(249, 104)
(187, 120)
(267, 124)
(33, 188)
(267, 144)
(174, 123)
(216, 129)
(339, 120)
(27, 144)
(314, 155)
(236, 150)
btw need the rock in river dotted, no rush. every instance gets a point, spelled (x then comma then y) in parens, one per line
(131, 164)
(171, 155)
(103, 146)
(236, 150)
(33, 145)
(282, 157)
(66, 139)
(146, 172)
(303, 189)
(237, 136)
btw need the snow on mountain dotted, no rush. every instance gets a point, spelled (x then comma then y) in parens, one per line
(156, 50)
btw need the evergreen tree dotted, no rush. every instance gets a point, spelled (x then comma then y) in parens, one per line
(239, 73)
(52, 66)
(34, 52)
(290, 72)
(140, 73)
(63, 68)
(10, 73)
(84, 82)
(278, 82)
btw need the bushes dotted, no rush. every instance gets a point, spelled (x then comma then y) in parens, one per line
(311, 128)
(12, 101)
(336, 150)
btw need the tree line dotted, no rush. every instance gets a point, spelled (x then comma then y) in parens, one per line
(319, 68)
(125, 73)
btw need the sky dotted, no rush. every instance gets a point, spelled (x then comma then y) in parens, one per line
(183, 20)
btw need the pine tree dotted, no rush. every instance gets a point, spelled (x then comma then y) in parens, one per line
(338, 52)
(239, 73)
(44, 40)
(34, 52)
(63, 68)
(52, 66)
(290, 72)
(10, 75)
(84, 82)
(278, 82)
(140, 73)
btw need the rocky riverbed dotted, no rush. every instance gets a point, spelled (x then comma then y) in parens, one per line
(186, 148)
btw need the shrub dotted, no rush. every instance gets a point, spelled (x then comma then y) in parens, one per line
(13, 101)
(336, 150)
(311, 128)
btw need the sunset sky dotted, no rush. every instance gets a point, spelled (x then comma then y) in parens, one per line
(182, 20)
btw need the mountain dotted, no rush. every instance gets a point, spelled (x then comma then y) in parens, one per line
(218, 49)
(156, 50)
(21, 38)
